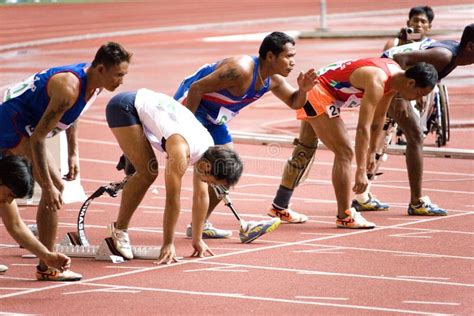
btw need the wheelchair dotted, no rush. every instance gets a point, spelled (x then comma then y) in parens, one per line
(434, 118)
(433, 110)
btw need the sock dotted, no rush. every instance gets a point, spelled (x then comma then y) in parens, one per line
(282, 198)
(364, 197)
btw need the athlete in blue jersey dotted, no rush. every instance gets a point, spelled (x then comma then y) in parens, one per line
(40, 107)
(217, 92)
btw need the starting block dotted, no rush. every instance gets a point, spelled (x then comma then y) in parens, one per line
(106, 251)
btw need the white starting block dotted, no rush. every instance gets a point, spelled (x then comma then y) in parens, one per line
(105, 251)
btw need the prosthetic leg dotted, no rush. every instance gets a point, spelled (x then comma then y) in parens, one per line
(298, 166)
(296, 171)
(249, 231)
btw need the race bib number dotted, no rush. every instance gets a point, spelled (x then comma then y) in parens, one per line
(352, 102)
(30, 129)
(333, 111)
(19, 88)
(224, 116)
(332, 66)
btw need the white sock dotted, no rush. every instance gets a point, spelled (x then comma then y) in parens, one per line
(364, 196)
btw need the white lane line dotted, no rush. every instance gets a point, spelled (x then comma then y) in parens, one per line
(121, 267)
(107, 290)
(323, 298)
(421, 277)
(229, 268)
(394, 252)
(339, 274)
(413, 235)
(237, 253)
(15, 278)
(267, 299)
(431, 303)
(14, 288)
(249, 37)
(332, 250)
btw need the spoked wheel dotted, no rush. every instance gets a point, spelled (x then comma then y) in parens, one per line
(443, 133)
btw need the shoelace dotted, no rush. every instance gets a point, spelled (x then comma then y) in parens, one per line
(122, 236)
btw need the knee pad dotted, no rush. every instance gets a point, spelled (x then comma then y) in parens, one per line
(299, 165)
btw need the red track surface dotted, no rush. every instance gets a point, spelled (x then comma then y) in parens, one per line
(406, 265)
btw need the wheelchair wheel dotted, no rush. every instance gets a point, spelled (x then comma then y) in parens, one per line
(443, 134)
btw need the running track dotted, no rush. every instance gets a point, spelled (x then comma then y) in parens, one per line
(413, 265)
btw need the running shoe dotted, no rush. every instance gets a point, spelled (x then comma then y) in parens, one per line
(426, 208)
(287, 215)
(121, 241)
(209, 231)
(52, 274)
(372, 204)
(3, 268)
(249, 231)
(354, 220)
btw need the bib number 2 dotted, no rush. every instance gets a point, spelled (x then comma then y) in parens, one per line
(332, 111)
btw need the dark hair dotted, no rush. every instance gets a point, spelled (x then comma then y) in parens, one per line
(424, 74)
(426, 10)
(467, 36)
(274, 43)
(225, 164)
(16, 174)
(111, 54)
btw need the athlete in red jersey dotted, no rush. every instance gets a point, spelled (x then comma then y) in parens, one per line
(370, 83)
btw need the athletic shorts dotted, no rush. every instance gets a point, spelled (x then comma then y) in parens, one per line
(320, 101)
(121, 111)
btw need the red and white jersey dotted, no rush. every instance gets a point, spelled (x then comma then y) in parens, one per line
(335, 78)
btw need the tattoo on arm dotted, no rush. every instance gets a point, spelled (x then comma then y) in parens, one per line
(230, 74)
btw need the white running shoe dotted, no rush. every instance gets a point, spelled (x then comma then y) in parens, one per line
(3, 268)
(121, 241)
(209, 231)
(287, 215)
(354, 220)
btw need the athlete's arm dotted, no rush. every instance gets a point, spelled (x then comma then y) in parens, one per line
(73, 164)
(376, 130)
(24, 237)
(231, 73)
(389, 44)
(63, 90)
(176, 164)
(294, 98)
(199, 209)
(372, 81)
(439, 57)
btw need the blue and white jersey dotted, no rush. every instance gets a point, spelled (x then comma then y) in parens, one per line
(26, 102)
(420, 45)
(221, 106)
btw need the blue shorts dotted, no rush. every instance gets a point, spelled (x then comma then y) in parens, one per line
(121, 111)
(10, 137)
(220, 133)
